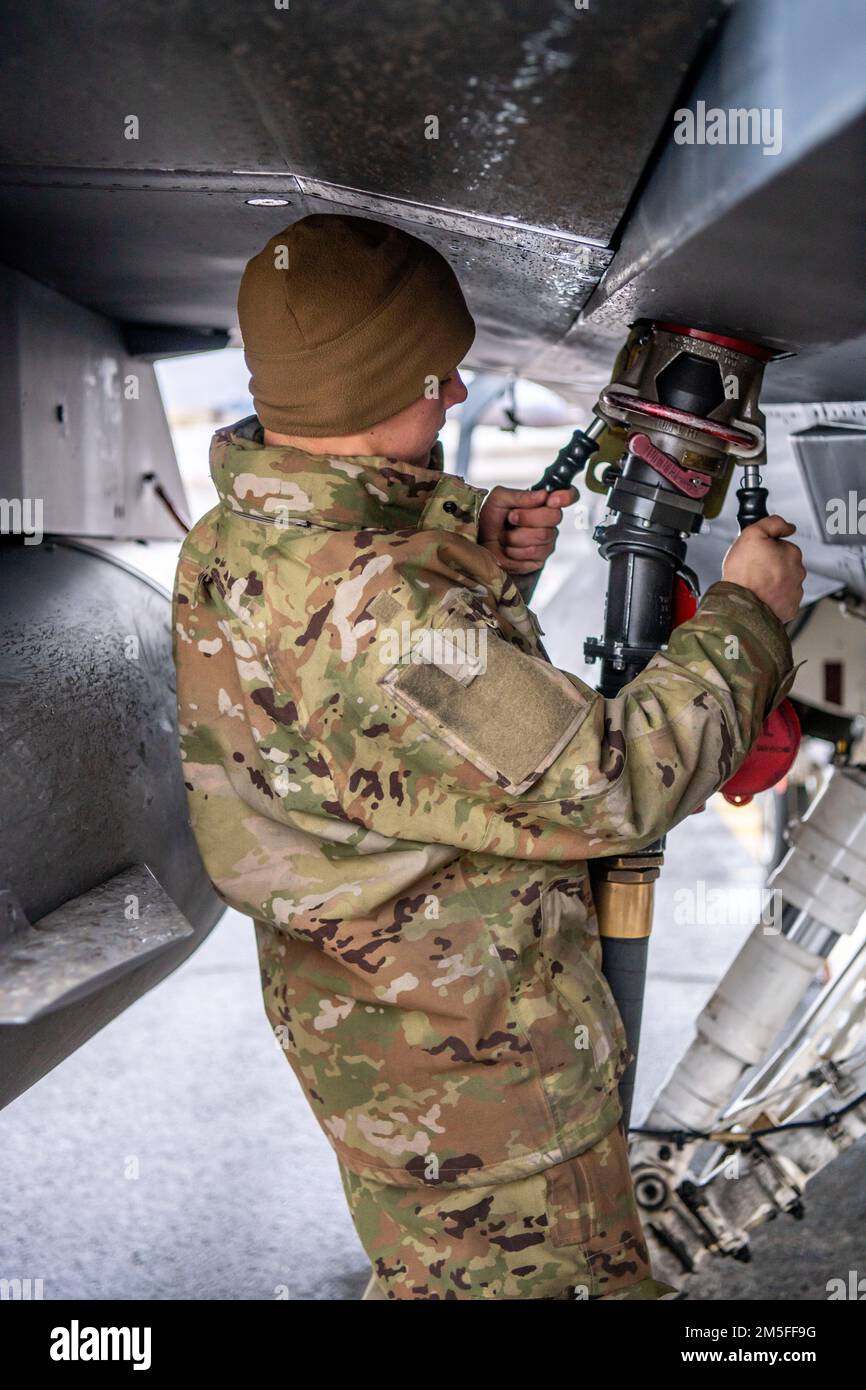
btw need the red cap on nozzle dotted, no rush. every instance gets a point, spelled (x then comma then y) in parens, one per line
(769, 759)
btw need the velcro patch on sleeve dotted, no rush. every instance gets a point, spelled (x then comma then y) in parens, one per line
(507, 713)
(385, 607)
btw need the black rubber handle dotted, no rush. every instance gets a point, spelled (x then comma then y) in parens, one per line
(753, 505)
(570, 461)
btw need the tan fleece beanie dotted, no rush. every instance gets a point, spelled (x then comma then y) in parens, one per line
(345, 321)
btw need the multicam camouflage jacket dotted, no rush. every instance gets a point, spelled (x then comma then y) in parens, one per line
(387, 774)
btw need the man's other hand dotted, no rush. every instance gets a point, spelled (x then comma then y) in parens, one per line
(761, 559)
(519, 528)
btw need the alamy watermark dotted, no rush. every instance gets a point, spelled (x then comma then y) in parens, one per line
(86, 1343)
(702, 906)
(735, 125)
(16, 1290)
(846, 517)
(22, 516)
(449, 648)
(854, 1287)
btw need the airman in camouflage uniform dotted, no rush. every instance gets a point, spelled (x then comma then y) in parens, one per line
(387, 774)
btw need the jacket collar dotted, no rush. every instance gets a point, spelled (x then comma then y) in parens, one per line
(289, 487)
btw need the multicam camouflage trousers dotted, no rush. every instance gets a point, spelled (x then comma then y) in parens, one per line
(570, 1231)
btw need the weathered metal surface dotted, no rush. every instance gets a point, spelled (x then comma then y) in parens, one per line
(765, 243)
(85, 944)
(550, 119)
(555, 146)
(527, 93)
(546, 113)
(92, 781)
